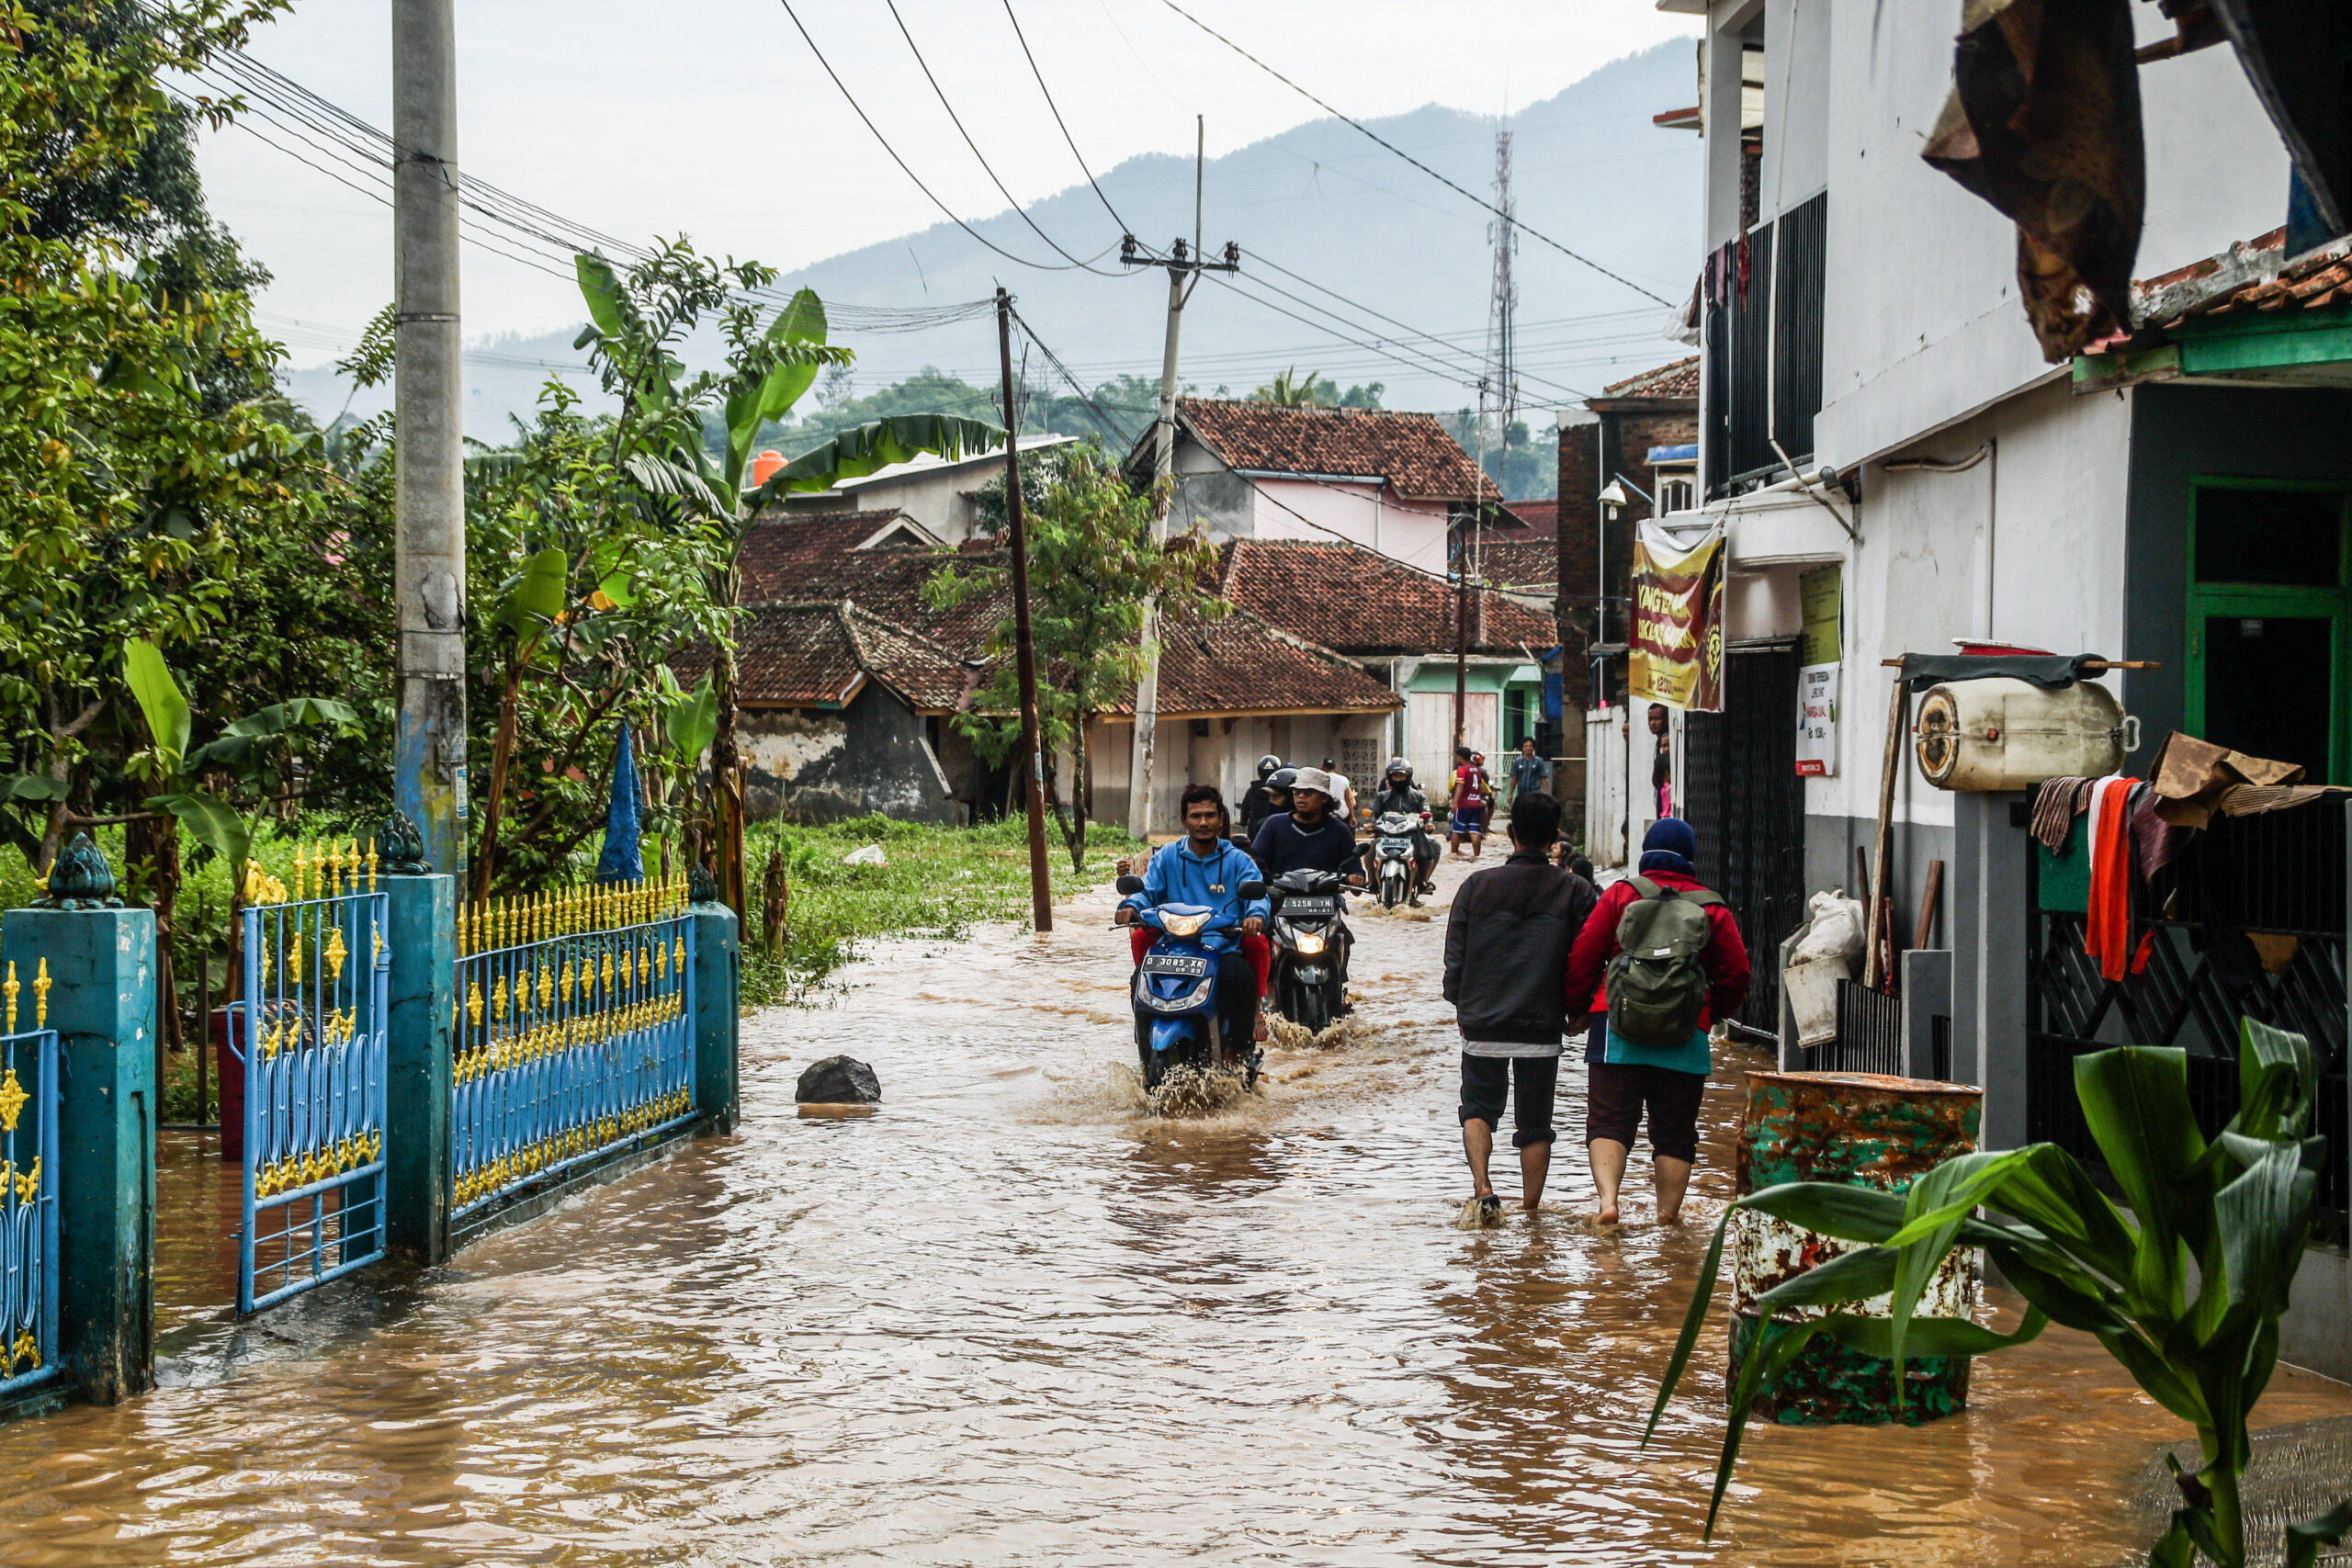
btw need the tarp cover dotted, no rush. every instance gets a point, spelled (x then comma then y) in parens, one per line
(2052, 670)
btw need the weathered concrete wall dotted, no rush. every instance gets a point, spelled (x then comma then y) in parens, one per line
(821, 766)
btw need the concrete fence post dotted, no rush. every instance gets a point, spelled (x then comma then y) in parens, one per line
(423, 914)
(102, 1004)
(718, 954)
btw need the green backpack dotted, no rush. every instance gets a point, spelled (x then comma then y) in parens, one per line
(1656, 986)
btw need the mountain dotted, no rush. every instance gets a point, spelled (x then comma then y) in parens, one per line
(1589, 171)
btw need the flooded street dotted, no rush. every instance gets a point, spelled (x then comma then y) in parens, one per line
(1010, 1319)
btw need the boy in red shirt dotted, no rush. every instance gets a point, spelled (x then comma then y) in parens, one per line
(1467, 795)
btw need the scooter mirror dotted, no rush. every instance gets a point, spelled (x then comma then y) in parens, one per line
(1253, 888)
(1129, 884)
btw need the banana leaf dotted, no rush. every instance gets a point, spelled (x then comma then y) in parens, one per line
(876, 443)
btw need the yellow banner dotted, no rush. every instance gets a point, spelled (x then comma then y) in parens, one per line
(1676, 644)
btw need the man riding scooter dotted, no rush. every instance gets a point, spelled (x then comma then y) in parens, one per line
(1312, 837)
(1205, 869)
(1258, 802)
(1398, 792)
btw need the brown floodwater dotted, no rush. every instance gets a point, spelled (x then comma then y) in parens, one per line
(1010, 1319)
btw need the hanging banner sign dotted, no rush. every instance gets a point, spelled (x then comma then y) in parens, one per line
(1676, 652)
(1816, 720)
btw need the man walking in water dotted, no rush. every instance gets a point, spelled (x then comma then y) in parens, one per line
(1647, 1044)
(1507, 944)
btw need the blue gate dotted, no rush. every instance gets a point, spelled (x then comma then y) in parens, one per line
(28, 1069)
(573, 1037)
(314, 1016)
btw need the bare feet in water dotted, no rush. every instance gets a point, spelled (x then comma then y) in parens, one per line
(1607, 1214)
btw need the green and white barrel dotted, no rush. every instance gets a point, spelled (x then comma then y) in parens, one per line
(1869, 1131)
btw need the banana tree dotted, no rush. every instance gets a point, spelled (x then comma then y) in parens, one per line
(2184, 1284)
(771, 362)
(252, 750)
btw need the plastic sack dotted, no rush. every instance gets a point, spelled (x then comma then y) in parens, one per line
(872, 855)
(1837, 928)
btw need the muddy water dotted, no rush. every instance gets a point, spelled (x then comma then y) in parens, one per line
(1009, 1319)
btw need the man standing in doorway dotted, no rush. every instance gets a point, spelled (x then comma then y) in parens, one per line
(1662, 769)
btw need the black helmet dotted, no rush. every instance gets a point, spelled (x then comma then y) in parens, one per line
(1281, 780)
(1267, 766)
(1328, 764)
(1398, 766)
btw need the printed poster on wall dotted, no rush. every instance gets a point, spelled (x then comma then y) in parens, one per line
(1676, 649)
(1816, 720)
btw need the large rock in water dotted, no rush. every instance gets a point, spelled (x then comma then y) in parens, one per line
(839, 1080)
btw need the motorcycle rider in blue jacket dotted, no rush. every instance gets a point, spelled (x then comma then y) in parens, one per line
(1205, 869)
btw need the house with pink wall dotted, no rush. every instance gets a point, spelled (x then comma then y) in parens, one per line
(1390, 482)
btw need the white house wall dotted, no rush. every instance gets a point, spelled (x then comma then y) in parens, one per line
(1923, 321)
(1370, 515)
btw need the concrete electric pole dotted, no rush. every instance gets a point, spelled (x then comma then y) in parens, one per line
(1185, 267)
(429, 551)
(1033, 753)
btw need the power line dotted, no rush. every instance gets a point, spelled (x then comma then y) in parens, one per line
(1124, 226)
(860, 110)
(1359, 125)
(940, 93)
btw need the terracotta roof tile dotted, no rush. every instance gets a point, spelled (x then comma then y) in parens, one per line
(1240, 664)
(1390, 609)
(2251, 276)
(811, 653)
(1540, 516)
(1679, 379)
(778, 549)
(1411, 451)
(1523, 566)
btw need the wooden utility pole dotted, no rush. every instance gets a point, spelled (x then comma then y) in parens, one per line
(1185, 267)
(428, 409)
(1461, 642)
(1033, 753)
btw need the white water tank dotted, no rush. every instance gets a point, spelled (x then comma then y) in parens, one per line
(1998, 733)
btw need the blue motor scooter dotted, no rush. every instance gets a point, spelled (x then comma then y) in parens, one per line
(1174, 993)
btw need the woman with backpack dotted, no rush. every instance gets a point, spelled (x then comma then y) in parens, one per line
(1660, 959)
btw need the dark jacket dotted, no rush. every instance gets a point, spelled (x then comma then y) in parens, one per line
(1256, 807)
(1408, 799)
(1283, 845)
(1506, 945)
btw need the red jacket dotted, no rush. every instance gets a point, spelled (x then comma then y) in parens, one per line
(1724, 960)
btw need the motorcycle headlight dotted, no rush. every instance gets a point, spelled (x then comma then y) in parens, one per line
(1309, 945)
(1182, 925)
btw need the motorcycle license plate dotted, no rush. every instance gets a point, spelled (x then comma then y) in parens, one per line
(1175, 963)
(1294, 907)
(1396, 846)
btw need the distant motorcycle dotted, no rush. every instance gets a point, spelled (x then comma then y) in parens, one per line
(1393, 852)
(1307, 927)
(1174, 995)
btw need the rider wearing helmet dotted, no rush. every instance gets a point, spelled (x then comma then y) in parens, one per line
(1279, 784)
(1398, 792)
(1257, 801)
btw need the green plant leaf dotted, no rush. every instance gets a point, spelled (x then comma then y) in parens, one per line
(2136, 1099)
(161, 701)
(2263, 1218)
(30, 787)
(535, 595)
(606, 296)
(1850, 1214)
(1768, 1354)
(1694, 1318)
(691, 723)
(2305, 1537)
(1932, 1336)
(217, 825)
(2276, 1074)
(1850, 1277)
(877, 444)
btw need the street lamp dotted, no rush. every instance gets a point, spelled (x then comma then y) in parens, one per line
(1613, 502)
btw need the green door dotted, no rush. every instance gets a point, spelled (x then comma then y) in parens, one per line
(2270, 622)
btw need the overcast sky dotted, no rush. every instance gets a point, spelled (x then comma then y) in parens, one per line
(712, 118)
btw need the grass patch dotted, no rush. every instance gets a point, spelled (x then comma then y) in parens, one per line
(938, 881)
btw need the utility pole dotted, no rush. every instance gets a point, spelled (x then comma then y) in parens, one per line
(1182, 264)
(428, 404)
(1033, 752)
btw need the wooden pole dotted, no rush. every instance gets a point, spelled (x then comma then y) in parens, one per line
(1033, 756)
(1898, 707)
(1923, 931)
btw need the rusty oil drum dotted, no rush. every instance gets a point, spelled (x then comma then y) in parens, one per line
(1870, 1131)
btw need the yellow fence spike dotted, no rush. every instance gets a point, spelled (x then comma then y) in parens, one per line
(41, 982)
(9, 989)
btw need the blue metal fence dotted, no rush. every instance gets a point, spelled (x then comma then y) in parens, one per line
(28, 1257)
(574, 1034)
(315, 976)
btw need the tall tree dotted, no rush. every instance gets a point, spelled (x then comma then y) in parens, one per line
(637, 322)
(1092, 567)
